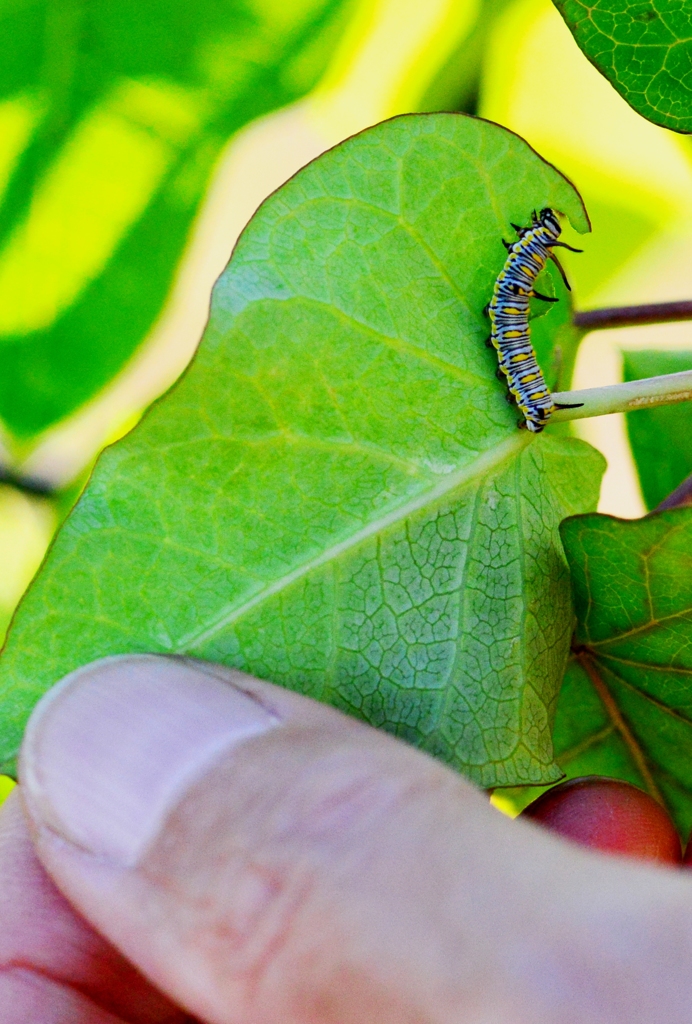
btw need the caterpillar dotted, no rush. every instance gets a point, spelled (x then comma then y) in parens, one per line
(509, 316)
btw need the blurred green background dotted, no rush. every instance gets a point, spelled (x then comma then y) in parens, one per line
(136, 140)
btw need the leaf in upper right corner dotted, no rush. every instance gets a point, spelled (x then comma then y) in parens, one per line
(661, 437)
(629, 692)
(644, 49)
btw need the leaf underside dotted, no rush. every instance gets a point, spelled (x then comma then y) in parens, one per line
(336, 496)
(626, 705)
(644, 49)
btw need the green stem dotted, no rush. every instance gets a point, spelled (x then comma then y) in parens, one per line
(637, 394)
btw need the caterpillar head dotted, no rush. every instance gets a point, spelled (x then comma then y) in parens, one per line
(548, 219)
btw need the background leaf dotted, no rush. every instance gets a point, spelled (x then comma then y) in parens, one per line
(660, 438)
(626, 709)
(457, 84)
(336, 496)
(644, 49)
(108, 137)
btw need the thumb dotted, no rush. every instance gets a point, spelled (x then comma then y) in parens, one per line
(266, 860)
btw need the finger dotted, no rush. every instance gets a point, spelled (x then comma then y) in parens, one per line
(26, 997)
(265, 860)
(50, 958)
(53, 965)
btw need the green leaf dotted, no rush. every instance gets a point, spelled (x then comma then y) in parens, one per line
(644, 49)
(626, 708)
(660, 438)
(112, 116)
(587, 738)
(336, 496)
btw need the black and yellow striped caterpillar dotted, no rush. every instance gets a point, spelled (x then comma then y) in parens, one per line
(509, 316)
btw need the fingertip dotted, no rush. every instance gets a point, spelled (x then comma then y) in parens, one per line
(111, 748)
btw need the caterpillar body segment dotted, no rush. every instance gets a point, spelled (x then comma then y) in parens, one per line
(509, 316)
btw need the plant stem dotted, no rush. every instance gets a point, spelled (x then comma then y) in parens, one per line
(637, 394)
(630, 316)
(32, 487)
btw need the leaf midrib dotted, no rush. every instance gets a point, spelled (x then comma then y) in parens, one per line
(664, 708)
(639, 755)
(484, 464)
(600, 645)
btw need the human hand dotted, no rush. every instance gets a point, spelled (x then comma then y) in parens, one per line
(261, 859)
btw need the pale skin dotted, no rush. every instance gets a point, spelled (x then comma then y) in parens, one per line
(301, 868)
